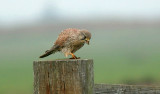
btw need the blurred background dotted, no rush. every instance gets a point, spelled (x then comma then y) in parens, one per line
(125, 42)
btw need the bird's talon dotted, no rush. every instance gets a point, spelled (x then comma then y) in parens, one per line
(74, 58)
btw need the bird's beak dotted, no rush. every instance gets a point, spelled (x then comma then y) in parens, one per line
(87, 41)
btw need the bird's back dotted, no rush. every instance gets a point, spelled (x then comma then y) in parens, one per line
(66, 35)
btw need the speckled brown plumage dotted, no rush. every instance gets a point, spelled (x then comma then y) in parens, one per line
(69, 41)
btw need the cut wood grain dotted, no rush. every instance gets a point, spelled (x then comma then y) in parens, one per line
(70, 76)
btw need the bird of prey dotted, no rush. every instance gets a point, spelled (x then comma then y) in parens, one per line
(69, 41)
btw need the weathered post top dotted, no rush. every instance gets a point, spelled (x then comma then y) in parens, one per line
(67, 76)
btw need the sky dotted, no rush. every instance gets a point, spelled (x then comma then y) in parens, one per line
(23, 10)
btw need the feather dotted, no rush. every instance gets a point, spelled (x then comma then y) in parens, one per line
(51, 51)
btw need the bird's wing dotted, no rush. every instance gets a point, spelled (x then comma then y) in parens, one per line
(62, 38)
(66, 35)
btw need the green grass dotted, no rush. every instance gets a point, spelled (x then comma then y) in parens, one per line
(128, 56)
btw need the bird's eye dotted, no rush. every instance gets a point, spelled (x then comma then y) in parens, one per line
(83, 38)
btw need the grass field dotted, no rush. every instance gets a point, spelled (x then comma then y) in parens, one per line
(130, 56)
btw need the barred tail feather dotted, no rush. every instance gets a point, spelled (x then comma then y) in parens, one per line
(49, 52)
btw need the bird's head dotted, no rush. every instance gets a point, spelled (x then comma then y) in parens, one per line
(85, 36)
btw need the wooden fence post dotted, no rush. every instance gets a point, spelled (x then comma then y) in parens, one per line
(69, 76)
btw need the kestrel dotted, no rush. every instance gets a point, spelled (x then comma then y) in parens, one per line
(69, 41)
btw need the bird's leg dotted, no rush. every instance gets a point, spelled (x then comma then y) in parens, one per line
(73, 56)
